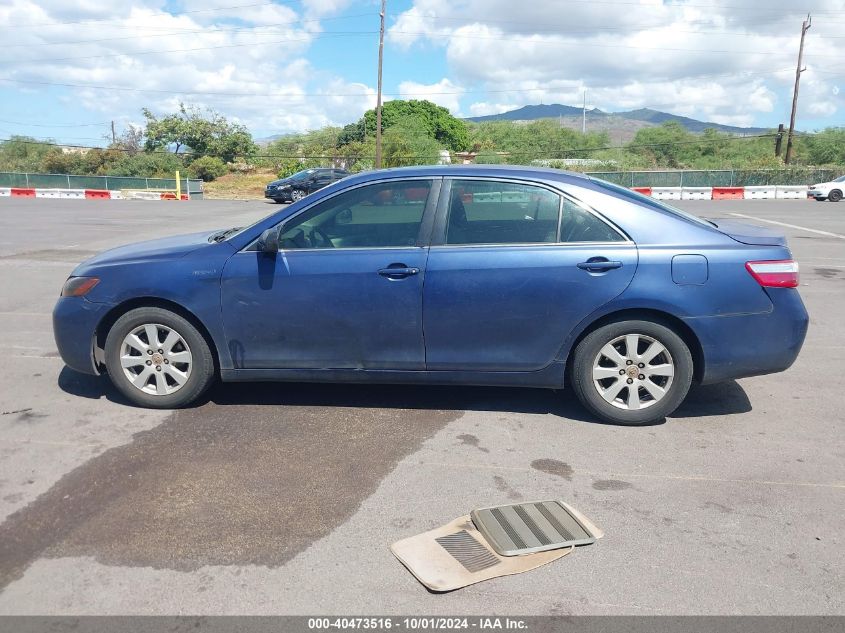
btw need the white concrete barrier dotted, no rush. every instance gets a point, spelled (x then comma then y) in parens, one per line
(791, 192)
(116, 195)
(760, 192)
(64, 194)
(697, 193)
(5, 192)
(142, 195)
(666, 193)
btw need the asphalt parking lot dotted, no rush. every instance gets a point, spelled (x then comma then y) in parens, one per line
(284, 498)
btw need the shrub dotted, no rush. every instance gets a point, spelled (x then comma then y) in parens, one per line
(289, 167)
(208, 168)
(147, 165)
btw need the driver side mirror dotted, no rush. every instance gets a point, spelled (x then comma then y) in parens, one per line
(268, 243)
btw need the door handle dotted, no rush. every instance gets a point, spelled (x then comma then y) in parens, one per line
(598, 264)
(398, 272)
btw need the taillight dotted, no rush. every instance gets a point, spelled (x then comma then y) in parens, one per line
(782, 273)
(79, 286)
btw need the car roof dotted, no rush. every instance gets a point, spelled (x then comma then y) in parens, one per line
(502, 171)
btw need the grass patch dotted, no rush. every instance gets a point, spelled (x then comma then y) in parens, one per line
(238, 186)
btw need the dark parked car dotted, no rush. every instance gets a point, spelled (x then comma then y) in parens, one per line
(295, 187)
(449, 275)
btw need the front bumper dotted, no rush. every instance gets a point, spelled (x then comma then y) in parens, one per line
(753, 344)
(817, 193)
(277, 194)
(75, 321)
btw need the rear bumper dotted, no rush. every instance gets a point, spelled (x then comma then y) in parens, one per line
(753, 344)
(75, 321)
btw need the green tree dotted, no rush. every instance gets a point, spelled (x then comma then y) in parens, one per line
(407, 142)
(148, 165)
(23, 153)
(434, 120)
(207, 168)
(824, 148)
(205, 133)
(666, 145)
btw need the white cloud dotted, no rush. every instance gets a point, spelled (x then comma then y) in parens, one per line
(249, 63)
(729, 63)
(443, 93)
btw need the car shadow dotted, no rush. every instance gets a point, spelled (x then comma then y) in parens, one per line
(711, 400)
(724, 398)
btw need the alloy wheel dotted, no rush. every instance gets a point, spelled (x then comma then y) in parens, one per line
(633, 371)
(156, 359)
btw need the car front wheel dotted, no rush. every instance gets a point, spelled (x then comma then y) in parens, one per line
(835, 195)
(632, 372)
(158, 359)
(296, 195)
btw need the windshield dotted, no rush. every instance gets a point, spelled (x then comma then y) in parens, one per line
(302, 175)
(840, 179)
(639, 198)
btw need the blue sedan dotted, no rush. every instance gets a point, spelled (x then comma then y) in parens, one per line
(446, 275)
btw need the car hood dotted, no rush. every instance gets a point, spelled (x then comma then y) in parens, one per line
(165, 248)
(750, 233)
(276, 183)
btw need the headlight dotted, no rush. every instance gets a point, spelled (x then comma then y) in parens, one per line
(79, 286)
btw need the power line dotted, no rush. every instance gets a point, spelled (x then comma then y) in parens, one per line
(160, 13)
(189, 50)
(175, 31)
(55, 125)
(739, 75)
(581, 44)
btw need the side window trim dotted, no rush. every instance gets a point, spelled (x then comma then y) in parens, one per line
(426, 222)
(442, 215)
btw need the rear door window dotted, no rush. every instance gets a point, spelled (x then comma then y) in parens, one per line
(491, 212)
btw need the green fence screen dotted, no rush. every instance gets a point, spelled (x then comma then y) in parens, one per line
(113, 183)
(718, 178)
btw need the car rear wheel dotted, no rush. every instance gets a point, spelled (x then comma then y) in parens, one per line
(632, 372)
(158, 359)
(835, 195)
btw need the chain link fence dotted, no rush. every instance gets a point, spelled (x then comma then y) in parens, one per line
(112, 183)
(719, 177)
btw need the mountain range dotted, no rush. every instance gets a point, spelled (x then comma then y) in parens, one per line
(621, 126)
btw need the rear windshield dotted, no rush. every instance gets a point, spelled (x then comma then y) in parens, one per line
(624, 192)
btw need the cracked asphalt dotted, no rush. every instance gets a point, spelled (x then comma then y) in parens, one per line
(284, 498)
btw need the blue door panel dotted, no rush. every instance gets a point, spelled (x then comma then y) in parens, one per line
(324, 309)
(509, 308)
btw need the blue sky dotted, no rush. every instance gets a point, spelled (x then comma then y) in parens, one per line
(292, 65)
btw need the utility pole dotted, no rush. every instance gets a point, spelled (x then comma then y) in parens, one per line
(779, 140)
(584, 114)
(378, 98)
(805, 26)
(113, 137)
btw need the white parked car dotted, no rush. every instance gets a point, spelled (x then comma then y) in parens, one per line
(828, 190)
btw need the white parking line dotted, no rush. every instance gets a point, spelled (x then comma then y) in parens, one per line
(791, 226)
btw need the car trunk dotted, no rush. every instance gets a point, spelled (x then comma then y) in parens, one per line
(750, 233)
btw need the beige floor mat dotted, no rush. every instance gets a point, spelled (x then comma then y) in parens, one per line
(456, 555)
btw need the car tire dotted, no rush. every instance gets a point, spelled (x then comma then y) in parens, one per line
(835, 195)
(820, 199)
(661, 375)
(169, 373)
(296, 195)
